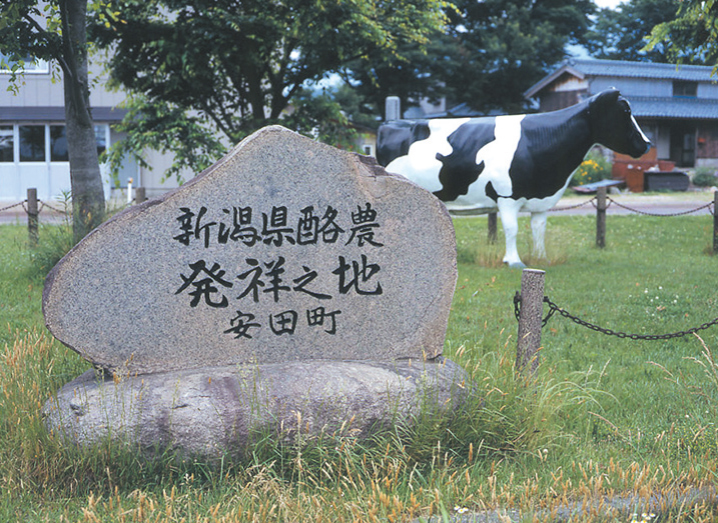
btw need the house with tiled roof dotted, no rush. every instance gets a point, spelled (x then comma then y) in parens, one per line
(675, 105)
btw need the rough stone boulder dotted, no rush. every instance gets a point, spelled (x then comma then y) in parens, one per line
(217, 411)
(289, 281)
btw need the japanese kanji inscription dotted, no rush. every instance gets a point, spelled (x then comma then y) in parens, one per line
(285, 250)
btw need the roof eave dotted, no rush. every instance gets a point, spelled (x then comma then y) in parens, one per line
(537, 87)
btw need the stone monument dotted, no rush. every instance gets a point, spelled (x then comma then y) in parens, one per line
(290, 281)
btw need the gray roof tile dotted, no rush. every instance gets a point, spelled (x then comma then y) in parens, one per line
(595, 67)
(693, 108)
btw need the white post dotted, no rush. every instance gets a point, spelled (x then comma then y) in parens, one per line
(129, 191)
(392, 108)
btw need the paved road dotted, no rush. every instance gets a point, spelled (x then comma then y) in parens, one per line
(664, 203)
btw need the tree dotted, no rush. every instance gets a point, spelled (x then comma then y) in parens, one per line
(411, 78)
(496, 49)
(690, 37)
(62, 38)
(232, 66)
(621, 33)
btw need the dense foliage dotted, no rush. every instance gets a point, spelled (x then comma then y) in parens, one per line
(237, 63)
(691, 36)
(621, 33)
(488, 55)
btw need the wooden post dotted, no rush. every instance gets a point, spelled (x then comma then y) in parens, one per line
(601, 217)
(140, 195)
(32, 214)
(492, 227)
(530, 319)
(715, 222)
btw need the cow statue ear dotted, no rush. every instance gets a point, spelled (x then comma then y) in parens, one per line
(606, 97)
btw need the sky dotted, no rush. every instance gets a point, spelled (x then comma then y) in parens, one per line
(608, 3)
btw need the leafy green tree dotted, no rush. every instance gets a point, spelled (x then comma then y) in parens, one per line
(621, 33)
(411, 78)
(496, 49)
(692, 35)
(488, 55)
(58, 32)
(229, 67)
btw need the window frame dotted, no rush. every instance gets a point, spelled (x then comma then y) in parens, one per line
(685, 89)
(102, 132)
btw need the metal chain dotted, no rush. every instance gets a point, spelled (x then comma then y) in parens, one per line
(650, 337)
(43, 205)
(708, 205)
(11, 206)
(556, 209)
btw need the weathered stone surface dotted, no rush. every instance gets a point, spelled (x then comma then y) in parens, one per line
(339, 260)
(210, 412)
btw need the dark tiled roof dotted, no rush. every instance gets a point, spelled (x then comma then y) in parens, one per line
(621, 69)
(592, 67)
(693, 108)
(57, 113)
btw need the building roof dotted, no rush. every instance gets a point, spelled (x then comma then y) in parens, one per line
(689, 108)
(581, 68)
(57, 113)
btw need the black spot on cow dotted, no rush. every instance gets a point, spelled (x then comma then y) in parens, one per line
(459, 169)
(491, 192)
(551, 145)
(394, 142)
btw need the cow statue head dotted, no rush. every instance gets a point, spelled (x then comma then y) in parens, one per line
(613, 125)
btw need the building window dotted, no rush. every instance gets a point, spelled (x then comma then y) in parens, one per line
(7, 144)
(101, 138)
(32, 143)
(58, 144)
(685, 89)
(32, 138)
(26, 65)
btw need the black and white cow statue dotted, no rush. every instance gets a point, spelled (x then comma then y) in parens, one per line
(508, 163)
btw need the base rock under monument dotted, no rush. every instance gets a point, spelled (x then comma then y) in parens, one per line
(212, 412)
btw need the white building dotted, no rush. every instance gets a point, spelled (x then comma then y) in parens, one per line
(33, 148)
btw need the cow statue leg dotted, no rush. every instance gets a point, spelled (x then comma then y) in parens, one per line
(538, 230)
(509, 211)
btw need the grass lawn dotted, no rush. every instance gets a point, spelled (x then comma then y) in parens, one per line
(605, 417)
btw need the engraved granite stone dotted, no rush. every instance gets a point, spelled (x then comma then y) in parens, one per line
(287, 250)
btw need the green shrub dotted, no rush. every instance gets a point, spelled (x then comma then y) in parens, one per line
(704, 177)
(594, 168)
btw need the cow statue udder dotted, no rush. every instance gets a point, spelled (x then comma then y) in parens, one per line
(508, 163)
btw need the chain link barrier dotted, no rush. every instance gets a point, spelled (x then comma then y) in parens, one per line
(682, 213)
(14, 205)
(569, 207)
(23, 204)
(610, 201)
(43, 205)
(553, 308)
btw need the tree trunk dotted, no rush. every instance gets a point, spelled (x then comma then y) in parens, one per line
(88, 198)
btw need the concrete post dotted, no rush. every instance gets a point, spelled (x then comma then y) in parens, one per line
(392, 108)
(140, 195)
